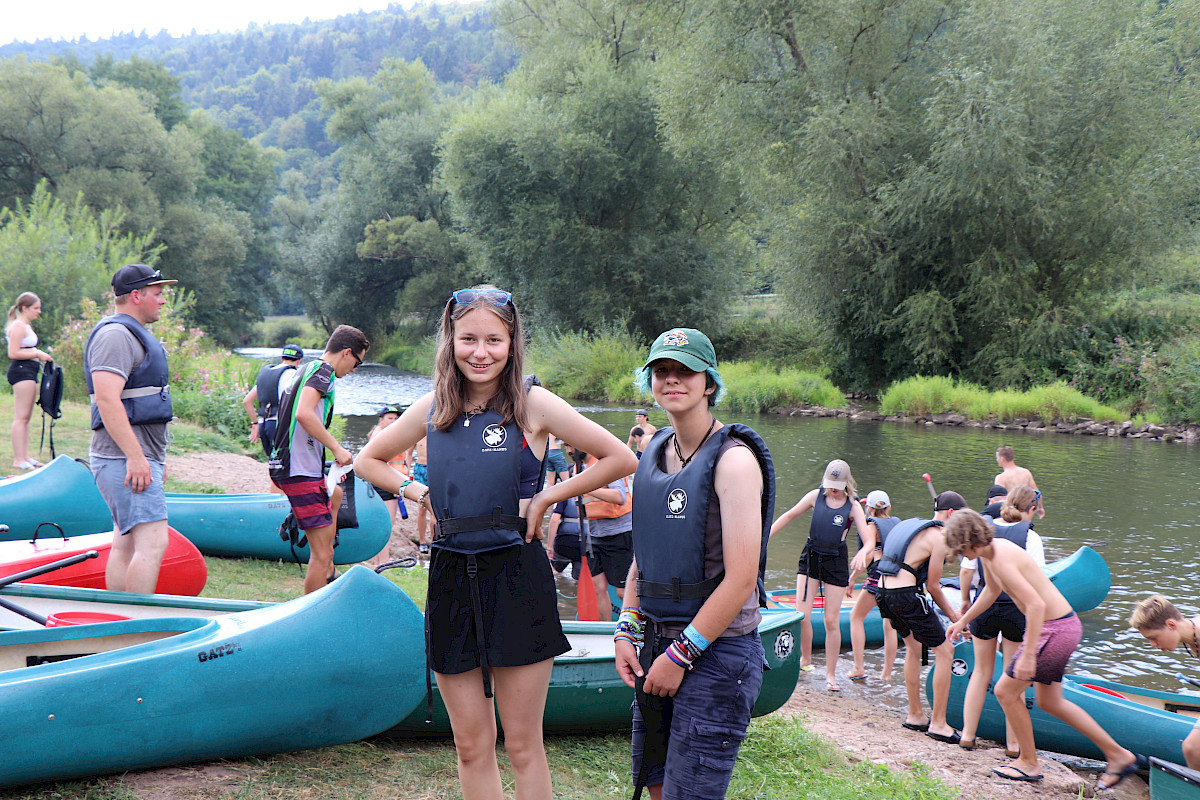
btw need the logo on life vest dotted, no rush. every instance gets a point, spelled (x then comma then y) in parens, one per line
(494, 436)
(675, 339)
(784, 644)
(838, 520)
(958, 667)
(676, 502)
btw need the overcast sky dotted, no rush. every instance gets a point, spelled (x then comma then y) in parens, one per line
(28, 20)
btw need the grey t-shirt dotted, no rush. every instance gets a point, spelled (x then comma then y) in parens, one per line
(114, 348)
(604, 528)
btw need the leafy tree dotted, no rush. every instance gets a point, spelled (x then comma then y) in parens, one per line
(563, 181)
(950, 185)
(63, 252)
(152, 78)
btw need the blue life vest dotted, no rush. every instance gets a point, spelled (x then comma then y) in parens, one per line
(1018, 534)
(828, 527)
(147, 395)
(884, 525)
(896, 546)
(267, 384)
(474, 484)
(670, 515)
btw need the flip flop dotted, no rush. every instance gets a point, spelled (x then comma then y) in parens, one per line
(1138, 763)
(806, 668)
(953, 738)
(857, 678)
(1023, 776)
(832, 687)
(1012, 753)
(914, 727)
(968, 744)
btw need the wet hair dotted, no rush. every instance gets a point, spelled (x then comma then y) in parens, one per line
(967, 528)
(1005, 452)
(344, 336)
(1152, 613)
(450, 385)
(24, 301)
(1018, 501)
(637, 432)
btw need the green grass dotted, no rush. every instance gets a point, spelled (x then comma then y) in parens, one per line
(750, 386)
(281, 330)
(922, 396)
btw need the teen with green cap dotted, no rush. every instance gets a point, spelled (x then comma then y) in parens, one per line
(262, 401)
(687, 640)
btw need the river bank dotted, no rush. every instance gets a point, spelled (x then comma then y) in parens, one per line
(863, 720)
(1080, 426)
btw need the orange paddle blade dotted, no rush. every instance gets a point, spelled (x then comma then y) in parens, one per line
(586, 609)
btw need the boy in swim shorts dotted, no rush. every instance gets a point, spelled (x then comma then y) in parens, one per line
(1052, 631)
(1164, 626)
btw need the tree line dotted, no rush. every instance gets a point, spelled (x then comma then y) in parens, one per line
(1003, 191)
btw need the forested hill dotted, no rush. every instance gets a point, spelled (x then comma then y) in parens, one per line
(261, 80)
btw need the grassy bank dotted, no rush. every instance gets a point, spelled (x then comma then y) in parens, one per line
(923, 396)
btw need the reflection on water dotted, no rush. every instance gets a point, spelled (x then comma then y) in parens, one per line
(1134, 501)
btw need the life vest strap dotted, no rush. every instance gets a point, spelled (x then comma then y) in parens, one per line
(675, 590)
(482, 522)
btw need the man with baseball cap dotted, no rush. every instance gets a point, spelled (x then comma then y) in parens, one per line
(262, 401)
(125, 368)
(640, 433)
(914, 553)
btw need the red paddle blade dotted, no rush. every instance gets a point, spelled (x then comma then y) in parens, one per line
(586, 609)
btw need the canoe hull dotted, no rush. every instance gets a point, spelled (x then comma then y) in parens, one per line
(872, 623)
(41, 495)
(183, 569)
(273, 679)
(247, 525)
(1137, 727)
(586, 696)
(1170, 781)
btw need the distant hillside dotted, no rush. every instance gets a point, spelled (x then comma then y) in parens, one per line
(260, 81)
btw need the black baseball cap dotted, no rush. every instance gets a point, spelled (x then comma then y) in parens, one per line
(390, 410)
(136, 276)
(996, 491)
(949, 500)
(292, 351)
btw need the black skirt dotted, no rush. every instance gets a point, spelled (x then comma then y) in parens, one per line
(519, 609)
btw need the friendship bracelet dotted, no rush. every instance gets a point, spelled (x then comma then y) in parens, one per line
(400, 491)
(623, 635)
(696, 637)
(676, 654)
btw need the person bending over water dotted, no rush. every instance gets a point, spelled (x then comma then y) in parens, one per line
(1165, 627)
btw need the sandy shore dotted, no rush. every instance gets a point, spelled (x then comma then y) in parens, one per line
(864, 719)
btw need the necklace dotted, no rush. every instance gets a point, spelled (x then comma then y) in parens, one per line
(678, 452)
(1195, 644)
(473, 412)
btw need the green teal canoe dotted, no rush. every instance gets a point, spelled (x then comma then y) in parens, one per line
(247, 525)
(237, 525)
(62, 491)
(872, 623)
(1170, 781)
(1145, 721)
(586, 695)
(143, 693)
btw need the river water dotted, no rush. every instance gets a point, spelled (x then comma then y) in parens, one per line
(1135, 502)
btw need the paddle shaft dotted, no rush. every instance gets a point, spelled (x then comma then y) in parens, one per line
(1186, 679)
(929, 485)
(24, 612)
(42, 570)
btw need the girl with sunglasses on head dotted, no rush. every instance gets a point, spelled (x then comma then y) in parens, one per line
(491, 616)
(25, 361)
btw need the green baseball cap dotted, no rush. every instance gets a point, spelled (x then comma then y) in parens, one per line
(292, 351)
(688, 346)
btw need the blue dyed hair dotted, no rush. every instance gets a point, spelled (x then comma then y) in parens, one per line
(641, 381)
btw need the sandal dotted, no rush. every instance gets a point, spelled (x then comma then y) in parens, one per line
(858, 678)
(967, 744)
(1012, 753)
(22, 465)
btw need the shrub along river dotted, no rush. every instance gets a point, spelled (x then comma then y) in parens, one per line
(1133, 501)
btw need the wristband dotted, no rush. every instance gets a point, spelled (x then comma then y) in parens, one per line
(400, 491)
(676, 654)
(696, 638)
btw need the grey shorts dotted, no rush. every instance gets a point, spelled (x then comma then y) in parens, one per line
(129, 508)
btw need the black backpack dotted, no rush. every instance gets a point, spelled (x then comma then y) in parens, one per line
(50, 399)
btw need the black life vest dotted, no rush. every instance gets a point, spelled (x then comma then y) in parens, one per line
(670, 514)
(827, 529)
(147, 394)
(884, 525)
(1018, 534)
(896, 546)
(267, 384)
(474, 484)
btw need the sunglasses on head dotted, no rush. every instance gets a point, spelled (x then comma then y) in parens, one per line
(496, 297)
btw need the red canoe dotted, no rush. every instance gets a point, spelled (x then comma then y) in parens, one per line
(183, 570)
